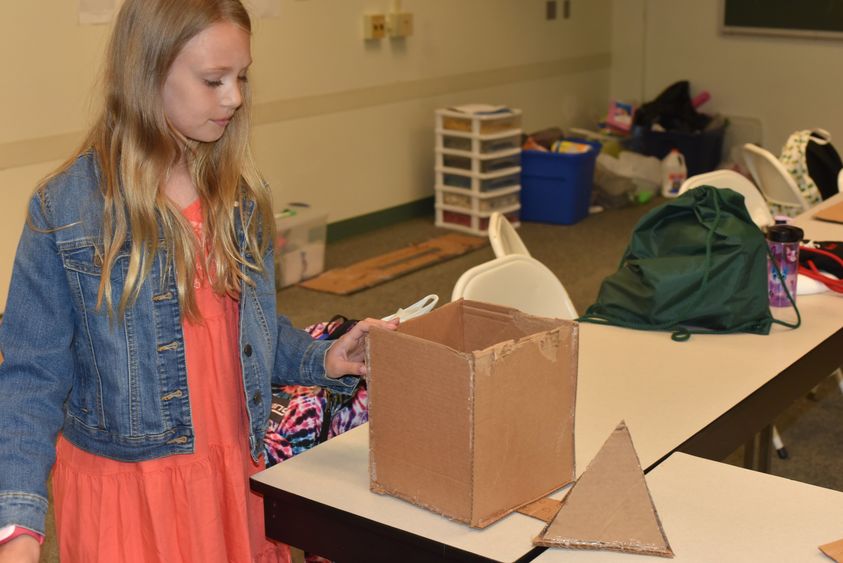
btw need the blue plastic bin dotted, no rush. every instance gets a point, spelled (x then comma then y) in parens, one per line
(556, 187)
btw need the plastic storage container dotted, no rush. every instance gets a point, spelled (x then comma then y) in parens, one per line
(493, 201)
(556, 187)
(485, 164)
(674, 173)
(702, 151)
(478, 124)
(300, 237)
(479, 144)
(478, 182)
(478, 166)
(475, 223)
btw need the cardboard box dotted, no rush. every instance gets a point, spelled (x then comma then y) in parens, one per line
(300, 233)
(471, 410)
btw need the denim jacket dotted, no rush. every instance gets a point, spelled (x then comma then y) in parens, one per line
(115, 387)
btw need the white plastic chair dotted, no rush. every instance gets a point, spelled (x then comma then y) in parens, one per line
(773, 179)
(503, 237)
(754, 199)
(517, 281)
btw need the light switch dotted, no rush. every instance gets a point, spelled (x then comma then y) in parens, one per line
(400, 24)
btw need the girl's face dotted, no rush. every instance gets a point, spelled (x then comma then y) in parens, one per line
(203, 86)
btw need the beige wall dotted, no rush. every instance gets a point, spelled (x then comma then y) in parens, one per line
(785, 83)
(341, 123)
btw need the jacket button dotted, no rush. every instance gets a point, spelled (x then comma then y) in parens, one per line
(247, 349)
(256, 398)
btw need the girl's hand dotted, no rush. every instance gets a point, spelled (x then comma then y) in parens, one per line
(22, 549)
(347, 355)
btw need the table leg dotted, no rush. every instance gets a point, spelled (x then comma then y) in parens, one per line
(749, 453)
(765, 438)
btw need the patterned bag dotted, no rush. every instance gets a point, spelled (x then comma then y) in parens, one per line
(814, 164)
(303, 417)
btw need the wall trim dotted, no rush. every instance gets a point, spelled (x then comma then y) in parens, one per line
(14, 154)
(296, 108)
(378, 219)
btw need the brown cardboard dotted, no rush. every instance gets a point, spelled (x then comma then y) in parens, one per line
(609, 507)
(471, 410)
(544, 509)
(833, 214)
(379, 269)
(833, 550)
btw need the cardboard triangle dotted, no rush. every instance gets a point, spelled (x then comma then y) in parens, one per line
(833, 550)
(609, 507)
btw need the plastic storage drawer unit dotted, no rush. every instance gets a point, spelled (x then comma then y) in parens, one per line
(556, 187)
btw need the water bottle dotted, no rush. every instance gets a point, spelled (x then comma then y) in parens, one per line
(784, 246)
(674, 172)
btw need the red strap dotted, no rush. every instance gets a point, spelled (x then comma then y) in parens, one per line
(21, 531)
(812, 272)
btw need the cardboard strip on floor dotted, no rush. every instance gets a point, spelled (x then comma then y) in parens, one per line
(375, 271)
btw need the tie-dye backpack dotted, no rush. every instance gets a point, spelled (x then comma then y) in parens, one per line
(303, 417)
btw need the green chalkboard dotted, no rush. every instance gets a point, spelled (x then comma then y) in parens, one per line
(807, 18)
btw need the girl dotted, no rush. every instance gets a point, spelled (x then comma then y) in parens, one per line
(141, 317)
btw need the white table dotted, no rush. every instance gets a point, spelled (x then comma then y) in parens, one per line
(336, 474)
(669, 391)
(705, 396)
(711, 511)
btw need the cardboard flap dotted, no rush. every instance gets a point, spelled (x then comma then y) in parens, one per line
(443, 326)
(834, 550)
(609, 507)
(487, 325)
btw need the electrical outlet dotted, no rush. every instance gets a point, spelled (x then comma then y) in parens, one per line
(374, 26)
(399, 24)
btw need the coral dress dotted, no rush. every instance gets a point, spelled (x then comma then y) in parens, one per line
(180, 508)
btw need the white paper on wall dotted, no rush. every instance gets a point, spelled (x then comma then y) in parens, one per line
(263, 8)
(93, 12)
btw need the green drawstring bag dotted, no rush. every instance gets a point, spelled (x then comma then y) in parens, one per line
(696, 264)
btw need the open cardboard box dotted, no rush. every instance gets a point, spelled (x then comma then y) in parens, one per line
(471, 410)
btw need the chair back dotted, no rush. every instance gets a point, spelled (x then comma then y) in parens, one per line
(773, 179)
(517, 281)
(757, 206)
(503, 237)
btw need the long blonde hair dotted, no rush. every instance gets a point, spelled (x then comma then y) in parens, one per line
(136, 147)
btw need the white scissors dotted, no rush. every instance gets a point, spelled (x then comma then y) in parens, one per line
(417, 309)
